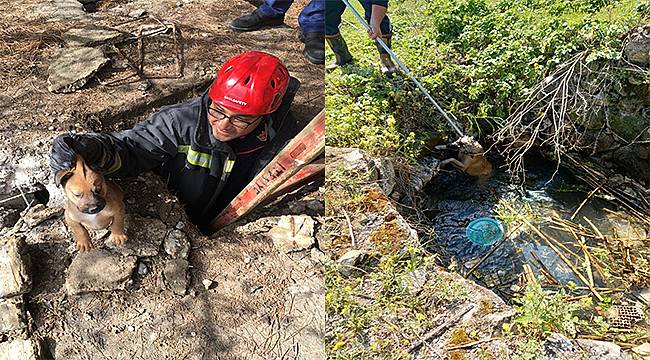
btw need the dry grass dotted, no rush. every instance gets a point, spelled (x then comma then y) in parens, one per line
(22, 44)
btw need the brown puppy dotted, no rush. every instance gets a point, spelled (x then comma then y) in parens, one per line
(472, 157)
(92, 203)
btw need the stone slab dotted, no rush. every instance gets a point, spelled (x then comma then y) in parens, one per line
(91, 35)
(14, 267)
(73, 67)
(176, 276)
(145, 237)
(99, 270)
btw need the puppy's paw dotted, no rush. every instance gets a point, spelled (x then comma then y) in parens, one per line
(85, 245)
(117, 239)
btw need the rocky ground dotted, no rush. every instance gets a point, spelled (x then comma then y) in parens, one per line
(388, 297)
(246, 292)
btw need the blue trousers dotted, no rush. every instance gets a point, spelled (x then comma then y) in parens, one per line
(311, 18)
(335, 9)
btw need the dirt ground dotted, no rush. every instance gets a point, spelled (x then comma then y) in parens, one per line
(263, 303)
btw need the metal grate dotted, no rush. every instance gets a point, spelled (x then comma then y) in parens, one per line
(625, 316)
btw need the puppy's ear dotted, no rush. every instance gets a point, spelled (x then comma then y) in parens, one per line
(61, 177)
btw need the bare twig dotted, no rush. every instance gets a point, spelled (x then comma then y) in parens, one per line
(442, 328)
(472, 344)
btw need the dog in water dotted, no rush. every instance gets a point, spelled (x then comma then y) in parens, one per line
(92, 203)
(471, 157)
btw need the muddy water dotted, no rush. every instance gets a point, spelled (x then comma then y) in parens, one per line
(455, 199)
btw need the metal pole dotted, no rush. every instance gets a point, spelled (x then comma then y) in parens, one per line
(406, 70)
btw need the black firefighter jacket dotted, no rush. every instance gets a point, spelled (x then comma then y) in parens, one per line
(177, 143)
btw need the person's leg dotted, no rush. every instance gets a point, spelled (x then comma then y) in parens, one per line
(274, 8)
(312, 27)
(270, 13)
(333, 14)
(386, 63)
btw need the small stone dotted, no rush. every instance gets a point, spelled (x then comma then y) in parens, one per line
(193, 334)
(176, 276)
(19, 350)
(176, 244)
(247, 260)
(350, 261)
(50, 128)
(252, 289)
(99, 270)
(319, 256)
(417, 279)
(137, 13)
(131, 328)
(180, 225)
(142, 269)
(207, 284)
(293, 233)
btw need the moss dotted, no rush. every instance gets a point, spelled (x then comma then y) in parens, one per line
(458, 337)
(486, 306)
(457, 355)
(389, 237)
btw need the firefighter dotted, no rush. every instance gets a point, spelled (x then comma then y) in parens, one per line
(207, 149)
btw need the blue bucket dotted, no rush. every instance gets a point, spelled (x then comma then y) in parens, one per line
(484, 231)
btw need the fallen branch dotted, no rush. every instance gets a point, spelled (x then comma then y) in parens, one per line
(472, 344)
(347, 219)
(440, 329)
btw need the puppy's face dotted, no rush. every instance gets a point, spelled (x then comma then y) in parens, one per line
(85, 188)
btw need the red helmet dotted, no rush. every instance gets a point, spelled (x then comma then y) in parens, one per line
(252, 83)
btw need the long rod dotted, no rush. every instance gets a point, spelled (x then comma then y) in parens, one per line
(406, 70)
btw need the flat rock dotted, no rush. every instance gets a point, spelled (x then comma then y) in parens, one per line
(176, 244)
(19, 350)
(12, 318)
(293, 233)
(145, 237)
(92, 35)
(99, 270)
(73, 67)
(176, 276)
(14, 266)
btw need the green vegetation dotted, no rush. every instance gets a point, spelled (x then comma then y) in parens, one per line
(379, 315)
(542, 312)
(478, 58)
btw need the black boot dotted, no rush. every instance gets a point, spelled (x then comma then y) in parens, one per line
(340, 49)
(314, 47)
(255, 21)
(386, 63)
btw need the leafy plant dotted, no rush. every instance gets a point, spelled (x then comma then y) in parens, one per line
(542, 312)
